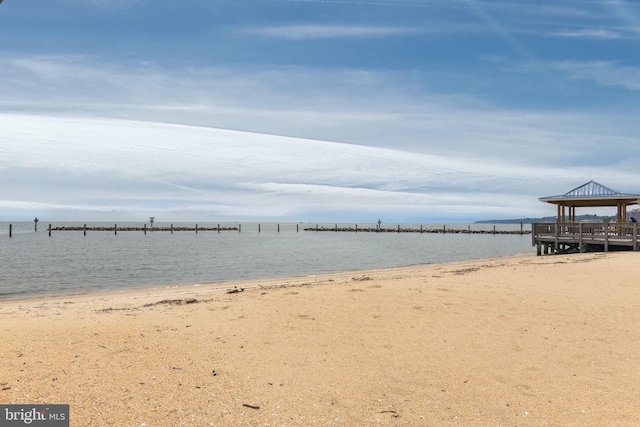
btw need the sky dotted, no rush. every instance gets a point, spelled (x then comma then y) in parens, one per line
(314, 110)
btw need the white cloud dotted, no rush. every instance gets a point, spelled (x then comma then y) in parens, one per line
(366, 108)
(606, 73)
(92, 167)
(590, 33)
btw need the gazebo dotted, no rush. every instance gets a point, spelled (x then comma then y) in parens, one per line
(590, 195)
(568, 235)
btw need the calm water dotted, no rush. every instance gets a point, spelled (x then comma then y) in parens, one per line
(35, 264)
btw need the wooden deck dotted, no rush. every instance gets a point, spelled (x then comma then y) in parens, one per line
(584, 237)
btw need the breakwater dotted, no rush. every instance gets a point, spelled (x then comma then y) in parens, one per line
(143, 228)
(399, 229)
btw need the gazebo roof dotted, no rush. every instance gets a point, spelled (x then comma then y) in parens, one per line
(592, 194)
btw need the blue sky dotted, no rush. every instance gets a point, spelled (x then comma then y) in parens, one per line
(478, 107)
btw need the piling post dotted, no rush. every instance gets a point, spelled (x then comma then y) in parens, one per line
(84, 230)
(145, 229)
(521, 228)
(297, 228)
(494, 229)
(398, 228)
(10, 230)
(171, 228)
(258, 228)
(49, 230)
(468, 229)
(239, 228)
(635, 236)
(444, 229)
(316, 227)
(335, 228)
(196, 228)
(218, 228)
(356, 228)
(278, 228)
(580, 239)
(115, 229)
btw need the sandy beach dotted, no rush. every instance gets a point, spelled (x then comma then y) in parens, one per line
(518, 341)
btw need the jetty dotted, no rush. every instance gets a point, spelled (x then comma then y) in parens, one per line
(421, 229)
(567, 235)
(142, 228)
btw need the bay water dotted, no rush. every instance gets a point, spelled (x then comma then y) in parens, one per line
(68, 262)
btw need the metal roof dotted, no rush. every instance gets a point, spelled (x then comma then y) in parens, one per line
(593, 194)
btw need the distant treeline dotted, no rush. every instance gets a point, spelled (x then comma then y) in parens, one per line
(544, 219)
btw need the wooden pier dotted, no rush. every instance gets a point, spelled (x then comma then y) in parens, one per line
(584, 237)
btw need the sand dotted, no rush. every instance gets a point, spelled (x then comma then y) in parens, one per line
(518, 341)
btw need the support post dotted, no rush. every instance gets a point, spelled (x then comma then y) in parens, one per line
(10, 230)
(606, 237)
(145, 229)
(171, 228)
(635, 236)
(84, 230)
(218, 228)
(115, 229)
(533, 233)
(580, 242)
(538, 249)
(49, 230)
(196, 228)
(258, 228)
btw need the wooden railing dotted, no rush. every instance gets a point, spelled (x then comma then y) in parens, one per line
(568, 236)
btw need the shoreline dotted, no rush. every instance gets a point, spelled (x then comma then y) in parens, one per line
(516, 340)
(222, 285)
